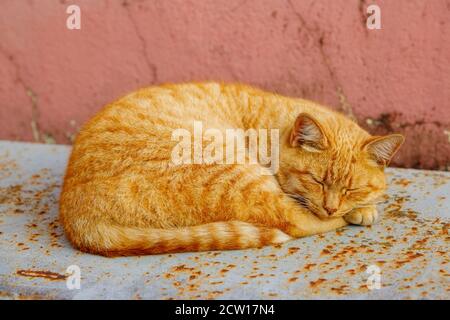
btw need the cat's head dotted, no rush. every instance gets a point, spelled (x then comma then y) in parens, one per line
(331, 166)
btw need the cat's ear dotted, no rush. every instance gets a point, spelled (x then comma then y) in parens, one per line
(308, 133)
(382, 149)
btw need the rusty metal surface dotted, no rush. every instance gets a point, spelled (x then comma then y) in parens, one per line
(410, 246)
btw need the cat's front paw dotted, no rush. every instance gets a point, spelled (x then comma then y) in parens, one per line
(362, 216)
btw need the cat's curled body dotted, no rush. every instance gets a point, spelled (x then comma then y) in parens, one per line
(122, 195)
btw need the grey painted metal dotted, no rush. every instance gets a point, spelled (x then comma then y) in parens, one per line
(410, 246)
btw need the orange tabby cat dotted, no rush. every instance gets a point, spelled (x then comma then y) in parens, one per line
(122, 194)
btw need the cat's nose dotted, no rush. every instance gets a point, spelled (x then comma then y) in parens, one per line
(330, 211)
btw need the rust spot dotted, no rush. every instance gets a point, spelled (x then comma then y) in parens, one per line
(41, 274)
(309, 266)
(316, 283)
(293, 250)
(340, 290)
(182, 268)
(403, 182)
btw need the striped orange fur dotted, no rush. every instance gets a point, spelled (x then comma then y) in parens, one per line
(122, 196)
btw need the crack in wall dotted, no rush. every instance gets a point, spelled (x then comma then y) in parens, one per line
(151, 67)
(420, 123)
(35, 127)
(344, 106)
(34, 114)
(389, 121)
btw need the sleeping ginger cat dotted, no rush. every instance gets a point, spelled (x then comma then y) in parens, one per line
(122, 194)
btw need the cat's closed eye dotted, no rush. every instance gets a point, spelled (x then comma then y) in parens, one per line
(316, 180)
(347, 191)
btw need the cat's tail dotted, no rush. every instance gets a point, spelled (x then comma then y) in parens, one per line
(125, 241)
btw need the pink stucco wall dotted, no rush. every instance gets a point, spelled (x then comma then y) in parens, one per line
(394, 79)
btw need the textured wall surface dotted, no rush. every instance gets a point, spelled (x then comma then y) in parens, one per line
(394, 79)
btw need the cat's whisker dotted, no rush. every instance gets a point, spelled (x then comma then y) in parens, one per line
(362, 205)
(365, 205)
(300, 199)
